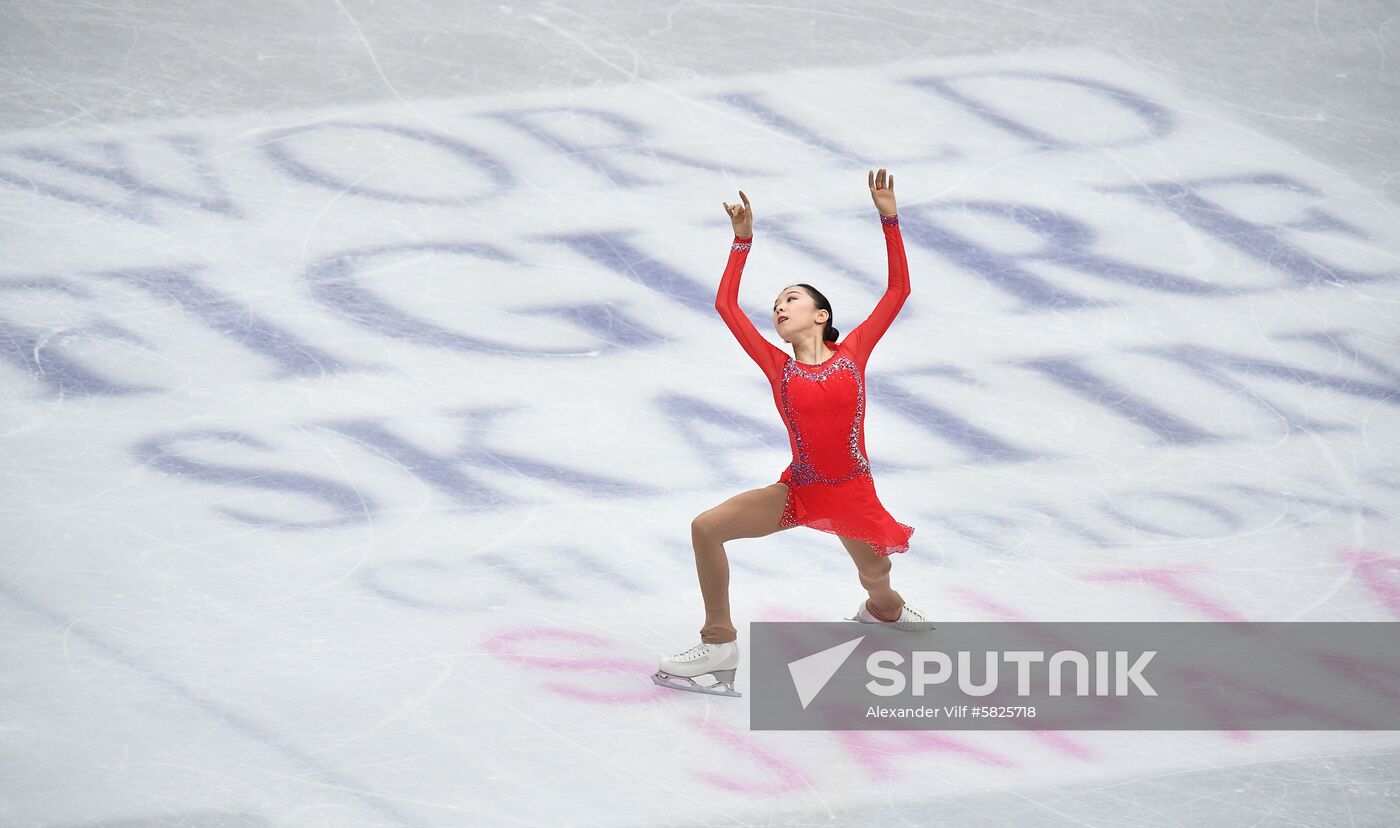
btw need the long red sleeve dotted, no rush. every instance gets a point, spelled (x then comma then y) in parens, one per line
(858, 343)
(861, 341)
(768, 356)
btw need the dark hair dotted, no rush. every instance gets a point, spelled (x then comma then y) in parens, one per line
(830, 333)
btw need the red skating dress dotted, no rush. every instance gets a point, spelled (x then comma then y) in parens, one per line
(823, 406)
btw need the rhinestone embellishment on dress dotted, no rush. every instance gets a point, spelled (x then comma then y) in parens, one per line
(802, 471)
(738, 245)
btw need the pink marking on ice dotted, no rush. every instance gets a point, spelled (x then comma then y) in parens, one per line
(1380, 574)
(585, 667)
(989, 605)
(1242, 699)
(782, 777)
(649, 695)
(1169, 580)
(1374, 677)
(876, 758)
(505, 645)
(1065, 745)
(777, 613)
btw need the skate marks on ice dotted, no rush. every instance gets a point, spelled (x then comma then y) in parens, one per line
(319, 412)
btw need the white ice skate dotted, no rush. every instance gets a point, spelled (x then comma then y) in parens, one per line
(909, 618)
(720, 660)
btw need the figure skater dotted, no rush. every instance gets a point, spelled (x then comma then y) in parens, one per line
(820, 393)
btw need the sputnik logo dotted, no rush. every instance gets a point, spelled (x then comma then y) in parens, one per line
(811, 673)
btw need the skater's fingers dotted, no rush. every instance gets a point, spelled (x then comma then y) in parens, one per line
(744, 197)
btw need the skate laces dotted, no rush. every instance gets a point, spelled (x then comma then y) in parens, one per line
(693, 653)
(907, 614)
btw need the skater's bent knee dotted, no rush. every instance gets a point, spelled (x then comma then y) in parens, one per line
(704, 526)
(714, 526)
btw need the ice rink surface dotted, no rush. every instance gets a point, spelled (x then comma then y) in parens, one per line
(362, 377)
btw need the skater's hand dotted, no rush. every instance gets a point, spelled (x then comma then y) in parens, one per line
(741, 216)
(882, 191)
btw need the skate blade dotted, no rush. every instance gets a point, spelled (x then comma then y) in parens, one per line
(719, 688)
(910, 626)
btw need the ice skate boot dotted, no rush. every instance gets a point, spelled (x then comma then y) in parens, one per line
(678, 672)
(909, 618)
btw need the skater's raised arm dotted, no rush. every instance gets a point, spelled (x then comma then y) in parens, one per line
(861, 341)
(768, 356)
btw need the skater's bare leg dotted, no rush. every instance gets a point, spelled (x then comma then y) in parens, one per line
(751, 514)
(874, 570)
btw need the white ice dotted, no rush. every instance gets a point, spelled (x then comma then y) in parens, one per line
(362, 378)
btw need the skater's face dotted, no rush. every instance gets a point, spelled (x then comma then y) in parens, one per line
(795, 311)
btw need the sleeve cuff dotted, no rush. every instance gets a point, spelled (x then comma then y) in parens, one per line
(890, 221)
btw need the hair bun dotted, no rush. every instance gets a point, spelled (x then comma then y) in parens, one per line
(831, 334)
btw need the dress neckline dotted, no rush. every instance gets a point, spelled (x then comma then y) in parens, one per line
(834, 354)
